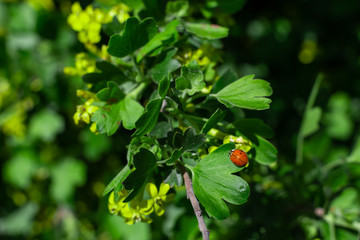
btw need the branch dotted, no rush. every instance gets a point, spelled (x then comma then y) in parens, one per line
(195, 203)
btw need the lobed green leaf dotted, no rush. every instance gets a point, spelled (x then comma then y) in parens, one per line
(145, 164)
(159, 39)
(109, 117)
(166, 65)
(191, 79)
(246, 93)
(136, 34)
(214, 182)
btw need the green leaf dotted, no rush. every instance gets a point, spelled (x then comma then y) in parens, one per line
(175, 155)
(130, 112)
(155, 8)
(174, 178)
(160, 130)
(118, 229)
(208, 31)
(45, 125)
(19, 222)
(355, 153)
(19, 169)
(117, 180)
(134, 4)
(217, 116)
(134, 36)
(210, 72)
(148, 119)
(191, 79)
(246, 93)
(214, 182)
(110, 94)
(145, 164)
(231, 6)
(250, 127)
(338, 120)
(109, 73)
(109, 117)
(348, 199)
(265, 152)
(225, 79)
(165, 66)
(159, 39)
(66, 176)
(142, 142)
(177, 9)
(164, 85)
(192, 141)
(311, 121)
(94, 146)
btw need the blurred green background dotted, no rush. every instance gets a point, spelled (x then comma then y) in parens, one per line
(53, 172)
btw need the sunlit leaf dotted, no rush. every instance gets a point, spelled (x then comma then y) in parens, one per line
(159, 39)
(208, 31)
(246, 93)
(191, 79)
(214, 182)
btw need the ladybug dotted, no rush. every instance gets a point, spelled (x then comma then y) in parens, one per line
(239, 157)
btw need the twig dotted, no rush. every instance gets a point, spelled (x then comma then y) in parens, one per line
(195, 203)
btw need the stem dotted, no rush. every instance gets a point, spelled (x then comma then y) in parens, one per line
(137, 67)
(216, 133)
(330, 221)
(134, 94)
(195, 203)
(309, 105)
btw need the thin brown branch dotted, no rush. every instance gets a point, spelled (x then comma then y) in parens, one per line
(195, 203)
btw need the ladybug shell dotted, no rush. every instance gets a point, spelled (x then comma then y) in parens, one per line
(239, 157)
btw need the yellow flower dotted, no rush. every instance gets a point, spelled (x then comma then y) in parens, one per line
(160, 198)
(93, 128)
(83, 64)
(240, 142)
(14, 125)
(197, 55)
(87, 22)
(137, 211)
(84, 112)
(121, 11)
(115, 206)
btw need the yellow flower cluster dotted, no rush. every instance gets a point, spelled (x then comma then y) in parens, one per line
(83, 64)
(197, 55)
(13, 118)
(84, 112)
(240, 142)
(14, 124)
(87, 22)
(138, 210)
(121, 11)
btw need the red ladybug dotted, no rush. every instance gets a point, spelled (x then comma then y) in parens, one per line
(239, 157)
